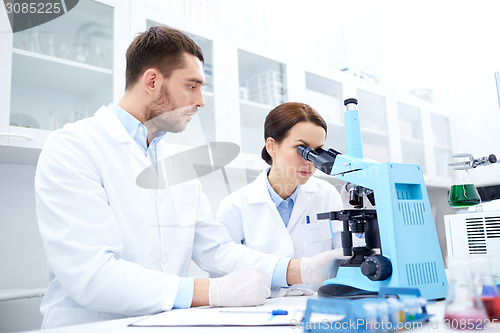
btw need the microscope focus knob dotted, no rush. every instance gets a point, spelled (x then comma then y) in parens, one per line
(376, 268)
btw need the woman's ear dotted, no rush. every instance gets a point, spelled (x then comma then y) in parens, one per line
(271, 146)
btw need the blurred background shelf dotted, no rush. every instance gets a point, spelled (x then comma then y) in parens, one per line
(16, 294)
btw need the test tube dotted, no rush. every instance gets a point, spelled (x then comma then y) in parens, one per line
(371, 315)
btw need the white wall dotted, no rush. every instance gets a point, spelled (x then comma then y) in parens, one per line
(22, 260)
(449, 46)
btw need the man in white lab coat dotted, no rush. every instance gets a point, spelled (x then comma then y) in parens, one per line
(115, 248)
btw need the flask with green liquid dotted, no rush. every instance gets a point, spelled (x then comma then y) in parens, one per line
(463, 193)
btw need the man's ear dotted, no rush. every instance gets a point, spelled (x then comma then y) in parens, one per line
(151, 81)
(271, 146)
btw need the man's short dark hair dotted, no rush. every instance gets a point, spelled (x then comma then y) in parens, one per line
(158, 47)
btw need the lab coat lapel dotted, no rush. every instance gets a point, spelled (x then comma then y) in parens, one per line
(112, 124)
(302, 201)
(257, 188)
(141, 165)
(299, 208)
(259, 195)
(263, 213)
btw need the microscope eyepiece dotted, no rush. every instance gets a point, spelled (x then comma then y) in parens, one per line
(351, 100)
(307, 153)
(323, 159)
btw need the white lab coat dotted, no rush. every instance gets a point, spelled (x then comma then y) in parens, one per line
(251, 218)
(115, 249)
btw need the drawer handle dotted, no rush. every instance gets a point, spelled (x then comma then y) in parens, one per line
(15, 135)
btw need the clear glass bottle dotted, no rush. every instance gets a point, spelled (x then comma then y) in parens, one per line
(34, 41)
(49, 45)
(463, 192)
(463, 304)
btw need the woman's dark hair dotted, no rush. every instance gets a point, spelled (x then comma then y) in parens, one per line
(158, 47)
(283, 117)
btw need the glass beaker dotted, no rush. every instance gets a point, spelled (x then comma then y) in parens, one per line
(486, 286)
(49, 46)
(463, 192)
(34, 42)
(463, 304)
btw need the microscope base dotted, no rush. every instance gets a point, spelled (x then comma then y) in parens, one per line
(350, 283)
(343, 291)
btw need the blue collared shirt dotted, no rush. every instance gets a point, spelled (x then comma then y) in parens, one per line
(284, 207)
(139, 133)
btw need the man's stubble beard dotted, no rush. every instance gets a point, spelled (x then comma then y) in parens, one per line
(157, 119)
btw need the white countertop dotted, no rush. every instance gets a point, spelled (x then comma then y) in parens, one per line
(121, 325)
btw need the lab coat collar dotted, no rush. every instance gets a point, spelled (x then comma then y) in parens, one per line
(115, 128)
(258, 186)
(258, 194)
(303, 200)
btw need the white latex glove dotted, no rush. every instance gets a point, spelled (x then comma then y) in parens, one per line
(244, 287)
(295, 292)
(321, 267)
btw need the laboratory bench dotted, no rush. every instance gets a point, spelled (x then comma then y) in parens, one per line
(299, 302)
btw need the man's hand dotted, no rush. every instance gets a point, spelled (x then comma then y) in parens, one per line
(244, 287)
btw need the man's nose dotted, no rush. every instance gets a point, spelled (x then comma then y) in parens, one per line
(200, 102)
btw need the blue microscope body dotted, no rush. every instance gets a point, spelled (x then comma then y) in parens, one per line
(402, 249)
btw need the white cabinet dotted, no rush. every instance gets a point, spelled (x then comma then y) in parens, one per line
(204, 127)
(262, 86)
(441, 146)
(373, 121)
(56, 73)
(325, 96)
(410, 132)
(396, 127)
(65, 69)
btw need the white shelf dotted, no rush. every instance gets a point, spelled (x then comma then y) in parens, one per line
(373, 132)
(441, 146)
(412, 140)
(15, 294)
(57, 73)
(335, 123)
(18, 155)
(247, 103)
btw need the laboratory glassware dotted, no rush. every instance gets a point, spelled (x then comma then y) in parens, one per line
(463, 304)
(463, 192)
(485, 285)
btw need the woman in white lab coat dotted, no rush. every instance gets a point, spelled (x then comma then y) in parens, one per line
(277, 212)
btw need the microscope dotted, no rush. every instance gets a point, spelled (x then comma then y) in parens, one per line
(401, 244)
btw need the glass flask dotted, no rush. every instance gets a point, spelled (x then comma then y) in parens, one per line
(463, 306)
(463, 192)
